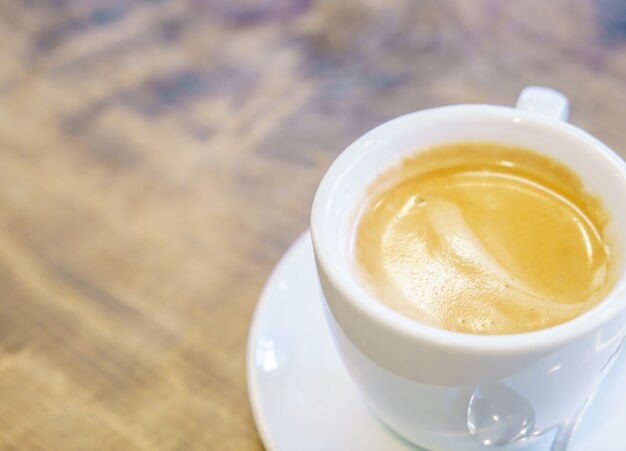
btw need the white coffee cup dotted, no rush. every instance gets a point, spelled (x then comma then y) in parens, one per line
(452, 391)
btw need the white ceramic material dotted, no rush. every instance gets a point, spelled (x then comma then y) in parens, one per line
(446, 390)
(303, 398)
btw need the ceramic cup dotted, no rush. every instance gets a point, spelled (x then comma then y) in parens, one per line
(452, 391)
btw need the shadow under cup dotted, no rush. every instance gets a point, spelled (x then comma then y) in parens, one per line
(443, 389)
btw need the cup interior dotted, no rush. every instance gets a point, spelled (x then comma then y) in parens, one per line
(343, 189)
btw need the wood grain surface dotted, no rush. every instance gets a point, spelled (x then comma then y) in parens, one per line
(157, 157)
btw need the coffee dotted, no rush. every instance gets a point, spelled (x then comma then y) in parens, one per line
(484, 238)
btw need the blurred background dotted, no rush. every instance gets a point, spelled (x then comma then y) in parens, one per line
(157, 157)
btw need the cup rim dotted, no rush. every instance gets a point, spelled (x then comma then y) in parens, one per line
(388, 319)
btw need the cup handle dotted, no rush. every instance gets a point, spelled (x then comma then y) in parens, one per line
(543, 101)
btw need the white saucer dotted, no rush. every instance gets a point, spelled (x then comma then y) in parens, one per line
(303, 399)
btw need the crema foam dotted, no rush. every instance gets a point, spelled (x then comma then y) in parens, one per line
(484, 238)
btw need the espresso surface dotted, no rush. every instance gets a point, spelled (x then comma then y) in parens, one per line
(484, 238)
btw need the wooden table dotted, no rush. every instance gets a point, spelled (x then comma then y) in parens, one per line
(157, 158)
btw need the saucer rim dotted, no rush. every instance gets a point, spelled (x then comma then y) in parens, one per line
(251, 381)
